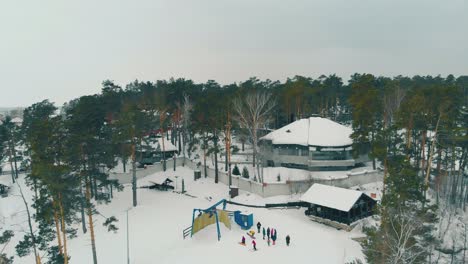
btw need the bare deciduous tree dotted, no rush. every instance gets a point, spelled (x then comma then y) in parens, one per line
(401, 235)
(392, 103)
(253, 111)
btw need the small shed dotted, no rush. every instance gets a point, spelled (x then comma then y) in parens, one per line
(337, 204)
(243, 219)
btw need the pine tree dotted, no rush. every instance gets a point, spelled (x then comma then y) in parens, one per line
(367, 115)
(5, 238)
(236, 171)
(245, 173)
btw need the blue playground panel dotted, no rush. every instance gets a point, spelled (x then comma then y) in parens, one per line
(244, 220)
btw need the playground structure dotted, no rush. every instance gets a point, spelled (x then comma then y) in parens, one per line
(210, 216)
(202, 218)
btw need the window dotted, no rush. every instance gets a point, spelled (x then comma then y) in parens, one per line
(329, 155)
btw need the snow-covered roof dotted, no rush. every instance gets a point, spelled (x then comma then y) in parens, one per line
(168, 146)
(313, 131)
(331, 197)
(17, 120)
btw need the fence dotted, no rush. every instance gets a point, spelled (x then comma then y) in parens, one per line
(126, 177)
(265, 189)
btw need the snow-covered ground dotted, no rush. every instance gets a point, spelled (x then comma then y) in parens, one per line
(157, 222)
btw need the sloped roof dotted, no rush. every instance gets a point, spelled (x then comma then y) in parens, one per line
(168, 146)
(331, 197)
(157, 145)
(313, 131)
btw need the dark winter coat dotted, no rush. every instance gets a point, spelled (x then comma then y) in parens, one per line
(273, 235)
(268, 232)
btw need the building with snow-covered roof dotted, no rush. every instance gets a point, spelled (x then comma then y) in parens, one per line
(313, 143)
(155, 150)
(337, 204)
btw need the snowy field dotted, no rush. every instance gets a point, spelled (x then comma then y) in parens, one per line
(157, 222)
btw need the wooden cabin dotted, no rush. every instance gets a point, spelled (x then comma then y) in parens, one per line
(336, 204)
(154, 151)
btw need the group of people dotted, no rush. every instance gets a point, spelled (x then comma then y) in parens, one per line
(270, 233)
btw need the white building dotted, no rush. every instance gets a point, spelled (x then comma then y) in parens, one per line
(313, 143)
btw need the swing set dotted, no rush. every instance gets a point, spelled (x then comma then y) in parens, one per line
(202, 218)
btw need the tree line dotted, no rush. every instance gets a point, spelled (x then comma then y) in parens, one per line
(415, 127)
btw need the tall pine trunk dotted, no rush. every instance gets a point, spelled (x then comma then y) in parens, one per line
(90, 185)
(57, 228)
(216, 156)
(64, 230)
(90, 220)
(96, 194)
(226, 160)
(429, 162)
(134, 179)
(164, 153)
(423, 149)
(82, 204)
(204, 157)
(408, 133)
(11, 167)
(179, 143)
(184, 137)
(31, 232)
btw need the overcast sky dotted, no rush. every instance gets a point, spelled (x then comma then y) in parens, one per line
(61, 50)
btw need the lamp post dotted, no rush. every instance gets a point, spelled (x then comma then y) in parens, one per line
(128, 239)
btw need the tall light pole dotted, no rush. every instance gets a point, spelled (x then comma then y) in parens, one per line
(128, 239)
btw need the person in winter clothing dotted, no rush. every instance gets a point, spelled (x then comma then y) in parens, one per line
(258, 227)
(288, 239)
(263, 233)
(243, 240)
(268, 232)
(273, 236)
(254, 244)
